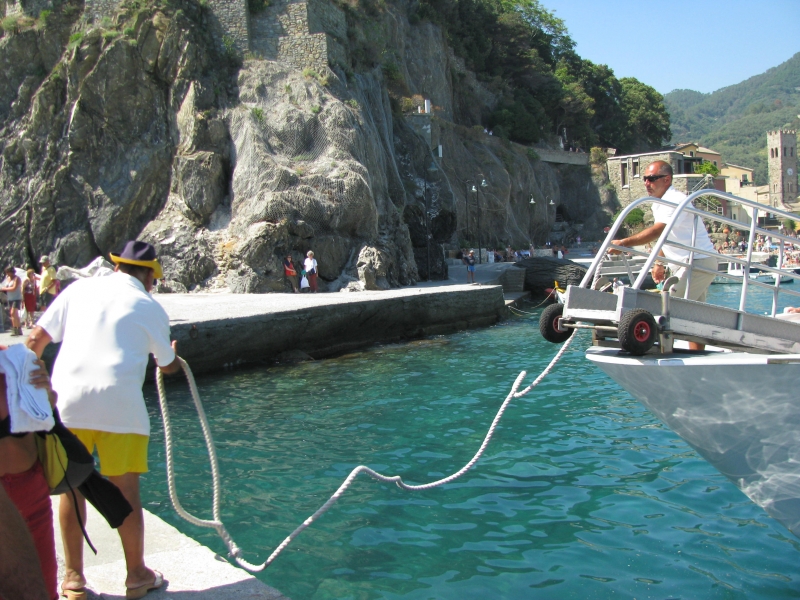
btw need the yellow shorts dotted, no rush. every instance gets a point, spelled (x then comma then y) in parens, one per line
(119, 453)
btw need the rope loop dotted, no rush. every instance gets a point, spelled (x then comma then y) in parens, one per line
(234, 551)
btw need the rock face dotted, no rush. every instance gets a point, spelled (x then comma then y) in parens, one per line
(145, 128)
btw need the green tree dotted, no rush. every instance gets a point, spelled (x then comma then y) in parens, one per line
(706, 168)
(575, 108)
(549, 33)
(648, 120)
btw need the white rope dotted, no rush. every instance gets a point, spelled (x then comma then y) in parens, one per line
(216, 522)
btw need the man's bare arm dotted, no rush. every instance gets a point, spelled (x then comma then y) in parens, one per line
(175, 365)
(20, 575)
(38, 340)
(645, 236)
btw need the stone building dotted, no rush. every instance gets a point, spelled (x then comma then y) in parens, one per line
(744, 175)
(304, 34)
(695, 150)
(624, 173)
(782, 164)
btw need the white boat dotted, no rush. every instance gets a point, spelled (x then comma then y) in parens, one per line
(787, 275)
(731, 269)
(735, 404)
(738, 410)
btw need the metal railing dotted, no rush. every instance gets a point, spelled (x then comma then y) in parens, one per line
(686, 207)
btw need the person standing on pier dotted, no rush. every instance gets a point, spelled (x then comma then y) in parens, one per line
(290, 272)
(108, 327)
(47, 282)
(13, 290)
(26, 515)
(311, 271)
(658, 182)
(469, 260)
(29, 297)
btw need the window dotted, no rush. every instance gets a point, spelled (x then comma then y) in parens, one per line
(791, 150)
(635, 170)
(624, 174)
(715, 163)
(744, 177)
(784, 150)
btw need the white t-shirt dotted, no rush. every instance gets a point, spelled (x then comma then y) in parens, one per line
(108, 327)
(682, 231)
(309, 264)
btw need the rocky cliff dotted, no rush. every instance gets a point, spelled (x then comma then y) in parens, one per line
(144, 125)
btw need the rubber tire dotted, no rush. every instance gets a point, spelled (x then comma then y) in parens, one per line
(637, 331)
(548, 324)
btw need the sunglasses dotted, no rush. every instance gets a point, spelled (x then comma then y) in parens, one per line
(652, 178)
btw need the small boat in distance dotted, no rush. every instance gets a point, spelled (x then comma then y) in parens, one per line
(731, 270)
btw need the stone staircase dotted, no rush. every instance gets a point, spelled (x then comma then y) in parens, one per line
(303, 34)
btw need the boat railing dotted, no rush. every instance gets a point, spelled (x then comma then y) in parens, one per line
(686, 206)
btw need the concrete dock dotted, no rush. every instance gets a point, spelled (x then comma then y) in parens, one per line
(190, 570)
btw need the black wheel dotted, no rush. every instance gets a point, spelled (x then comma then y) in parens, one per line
(548, 324)
(637, 331)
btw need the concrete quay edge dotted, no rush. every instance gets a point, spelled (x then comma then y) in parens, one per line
(191, 570)
(217, 331)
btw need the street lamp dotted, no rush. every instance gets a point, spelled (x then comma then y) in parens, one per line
(530, 223)
(466, 205)
(475, 189)
(431, 169)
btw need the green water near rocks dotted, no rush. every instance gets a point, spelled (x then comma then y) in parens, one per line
(581, 494)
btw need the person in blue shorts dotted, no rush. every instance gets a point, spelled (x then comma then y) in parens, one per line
(469, 260)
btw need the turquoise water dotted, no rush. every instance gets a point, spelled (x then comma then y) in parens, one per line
(581, 494)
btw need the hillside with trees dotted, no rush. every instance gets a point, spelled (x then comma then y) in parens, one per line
(524, 54)
(735, 119)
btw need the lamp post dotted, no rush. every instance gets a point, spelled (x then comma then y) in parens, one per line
(466, 205)
(476, 189)
(553, 204)
(431, 169)
(530, 223)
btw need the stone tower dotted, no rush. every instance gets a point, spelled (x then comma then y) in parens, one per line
(782, 150)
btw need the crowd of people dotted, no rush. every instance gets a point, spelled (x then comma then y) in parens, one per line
(25, 295)
(306, 279)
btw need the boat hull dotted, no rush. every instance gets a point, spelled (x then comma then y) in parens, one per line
(739, 411)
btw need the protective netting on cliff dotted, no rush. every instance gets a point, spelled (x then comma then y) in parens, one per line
(296, 161)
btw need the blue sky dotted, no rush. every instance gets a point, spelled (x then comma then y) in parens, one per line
(705, 45)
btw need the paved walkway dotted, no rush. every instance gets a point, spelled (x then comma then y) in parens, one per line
(191, 571)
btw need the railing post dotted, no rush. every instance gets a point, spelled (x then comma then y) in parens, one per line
(746, 274)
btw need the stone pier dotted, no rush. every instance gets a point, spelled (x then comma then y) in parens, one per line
(216, 331)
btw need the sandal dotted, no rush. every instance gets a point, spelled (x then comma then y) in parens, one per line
(140, 591)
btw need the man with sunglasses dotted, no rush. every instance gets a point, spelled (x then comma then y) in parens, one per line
(658, 182)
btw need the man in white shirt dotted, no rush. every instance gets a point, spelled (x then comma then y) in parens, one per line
(658, 182)
(108, 327)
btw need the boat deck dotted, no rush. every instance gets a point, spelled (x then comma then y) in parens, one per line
(686, 319)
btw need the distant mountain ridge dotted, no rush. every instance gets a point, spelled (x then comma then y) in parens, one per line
(734, 120)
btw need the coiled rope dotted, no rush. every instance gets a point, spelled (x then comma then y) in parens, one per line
(216, 522)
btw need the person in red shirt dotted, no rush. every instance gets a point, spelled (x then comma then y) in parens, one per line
(29, 297)
(23, 482)
(290, 272)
